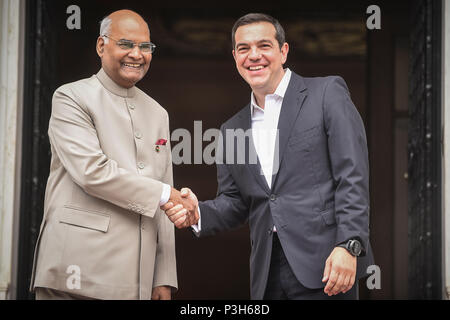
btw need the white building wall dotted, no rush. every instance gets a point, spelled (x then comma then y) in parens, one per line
(10, 99)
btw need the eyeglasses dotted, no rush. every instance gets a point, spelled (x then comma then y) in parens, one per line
(129, 45)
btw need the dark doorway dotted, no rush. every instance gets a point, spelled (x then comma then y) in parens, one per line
(193, 76)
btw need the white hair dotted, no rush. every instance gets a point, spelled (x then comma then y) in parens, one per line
(105, 28)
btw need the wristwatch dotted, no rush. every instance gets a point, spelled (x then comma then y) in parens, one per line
(353, 246)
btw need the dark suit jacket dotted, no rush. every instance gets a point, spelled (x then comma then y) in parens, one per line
(318, 198)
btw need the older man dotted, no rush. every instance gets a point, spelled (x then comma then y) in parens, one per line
(103, 235)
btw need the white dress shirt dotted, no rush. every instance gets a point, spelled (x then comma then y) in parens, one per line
(265, 127)
(264, 131)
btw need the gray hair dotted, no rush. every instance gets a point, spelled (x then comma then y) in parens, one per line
(105, 28)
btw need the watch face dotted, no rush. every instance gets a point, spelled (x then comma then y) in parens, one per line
(355, 247)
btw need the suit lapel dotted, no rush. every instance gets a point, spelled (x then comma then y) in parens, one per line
(246, 124)
(292, 103)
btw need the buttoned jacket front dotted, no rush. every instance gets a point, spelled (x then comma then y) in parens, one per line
(103, 234)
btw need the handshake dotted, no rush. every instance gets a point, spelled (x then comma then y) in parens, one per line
(182, 208)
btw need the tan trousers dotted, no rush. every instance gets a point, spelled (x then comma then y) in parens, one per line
(52, 294)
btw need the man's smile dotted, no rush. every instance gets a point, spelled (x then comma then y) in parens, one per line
(256, 67)
(132, 65)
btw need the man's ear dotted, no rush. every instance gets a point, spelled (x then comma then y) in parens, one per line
(100, 47)
(234, 54)
(284, 52)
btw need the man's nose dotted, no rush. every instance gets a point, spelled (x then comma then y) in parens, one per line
(254, 54)
(135, 52)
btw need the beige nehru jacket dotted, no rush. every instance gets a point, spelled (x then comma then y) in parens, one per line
(102, 224)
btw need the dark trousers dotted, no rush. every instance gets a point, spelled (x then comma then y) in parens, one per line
(283, 285)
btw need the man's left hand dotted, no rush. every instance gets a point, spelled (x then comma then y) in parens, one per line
(340, 272)
(161, 293)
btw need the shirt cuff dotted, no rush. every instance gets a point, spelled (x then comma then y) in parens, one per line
(165, 195)
(198, 227)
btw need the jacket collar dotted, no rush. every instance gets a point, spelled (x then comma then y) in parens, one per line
(113, 87)
(295, 91)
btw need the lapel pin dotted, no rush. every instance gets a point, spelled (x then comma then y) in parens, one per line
(160, 142)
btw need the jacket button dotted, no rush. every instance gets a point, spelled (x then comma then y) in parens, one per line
(141, 165)
(138, 134)
(131, 106)
(273, 197)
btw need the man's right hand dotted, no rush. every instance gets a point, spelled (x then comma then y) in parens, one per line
(182, 208)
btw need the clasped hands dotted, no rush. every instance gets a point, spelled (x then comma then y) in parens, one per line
(182, 208)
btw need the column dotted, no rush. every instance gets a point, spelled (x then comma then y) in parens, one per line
(10, 98)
